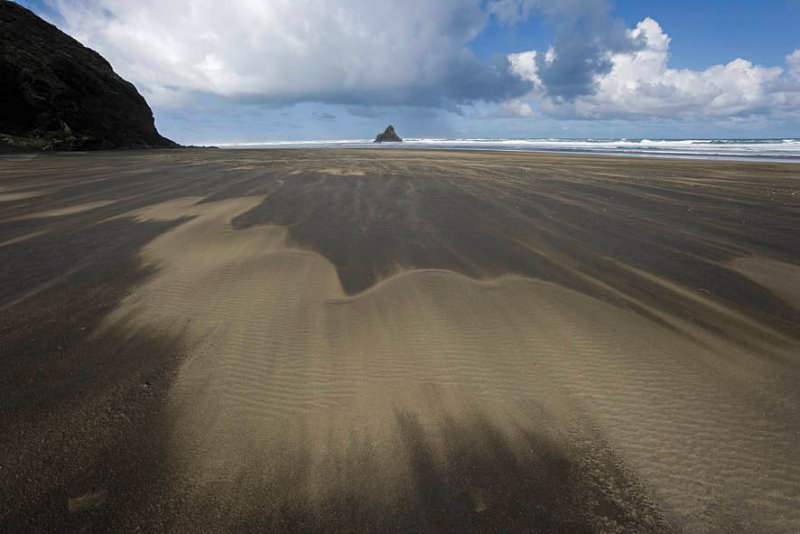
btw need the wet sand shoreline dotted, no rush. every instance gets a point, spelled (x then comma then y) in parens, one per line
(378, 339)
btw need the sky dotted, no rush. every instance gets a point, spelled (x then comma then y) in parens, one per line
(270, 70)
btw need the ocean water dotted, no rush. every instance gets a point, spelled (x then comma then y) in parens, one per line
(733, 149)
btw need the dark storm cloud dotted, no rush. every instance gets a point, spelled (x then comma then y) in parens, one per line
(462, 79)
(585, 36)
(466, 80)
(352, 52)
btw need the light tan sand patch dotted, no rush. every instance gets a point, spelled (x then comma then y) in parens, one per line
(89, 500)
(783, 279)
(341, 172)
(281, 359)
(19, 195)
(21, 238)
(70, 210)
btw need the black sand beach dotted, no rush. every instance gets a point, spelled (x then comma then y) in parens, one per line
(327, 340)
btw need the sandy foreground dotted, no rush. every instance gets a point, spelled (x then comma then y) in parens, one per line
(371, 340)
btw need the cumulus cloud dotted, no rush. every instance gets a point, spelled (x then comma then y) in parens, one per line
(510, 109)
(350, 51)
(585, 35)
(368, 55)
(639, 83)
(793, 62)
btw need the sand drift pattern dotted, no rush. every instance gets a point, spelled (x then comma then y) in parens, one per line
(449, 341)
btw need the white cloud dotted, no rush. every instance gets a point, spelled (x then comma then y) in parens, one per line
(512, 11)
(793, 62)
(641, 84)
(292, 50)
(415, 52)
(516, 108)
(526, 65)
(510, 109)
(586, 34)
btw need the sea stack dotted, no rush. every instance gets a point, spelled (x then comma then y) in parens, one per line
(58, 94)
(388, 136)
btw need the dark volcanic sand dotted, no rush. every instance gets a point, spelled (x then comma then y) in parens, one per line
(396, 339)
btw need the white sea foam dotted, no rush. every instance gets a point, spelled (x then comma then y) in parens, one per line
(764, 149)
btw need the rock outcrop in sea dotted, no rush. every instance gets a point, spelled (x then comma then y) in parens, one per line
(388, 136)
(57, 94)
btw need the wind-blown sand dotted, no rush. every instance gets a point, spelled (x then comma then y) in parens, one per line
(374, 340)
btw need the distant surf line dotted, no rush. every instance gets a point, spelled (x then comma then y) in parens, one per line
(777, 149)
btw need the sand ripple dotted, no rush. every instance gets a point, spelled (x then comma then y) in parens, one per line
(280, 358)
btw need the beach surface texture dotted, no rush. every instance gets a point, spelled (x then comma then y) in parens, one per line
(371, 340)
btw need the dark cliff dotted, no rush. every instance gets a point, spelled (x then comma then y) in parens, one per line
(56, 93)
